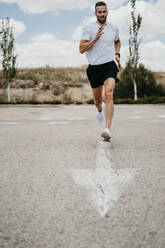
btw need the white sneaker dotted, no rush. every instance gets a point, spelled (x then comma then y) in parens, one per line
(106, 133)
(100, 115)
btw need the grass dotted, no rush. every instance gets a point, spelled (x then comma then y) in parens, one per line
(68, 100)
(145, 100)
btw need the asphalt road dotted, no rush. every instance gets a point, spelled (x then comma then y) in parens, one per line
(43, 207)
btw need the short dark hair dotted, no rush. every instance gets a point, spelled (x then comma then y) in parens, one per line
(100, 4)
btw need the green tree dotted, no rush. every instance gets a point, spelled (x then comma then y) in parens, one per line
(146, 83)
(7, 51)
(134, 43)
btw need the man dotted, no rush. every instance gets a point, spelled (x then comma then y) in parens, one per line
(101, 44)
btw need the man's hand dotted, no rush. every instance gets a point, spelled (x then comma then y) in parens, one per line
(85, 45)
(99, 34)
(118, 61)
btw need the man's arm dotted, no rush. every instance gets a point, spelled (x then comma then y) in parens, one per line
(85, 45)
(117, 46)
(117, 50)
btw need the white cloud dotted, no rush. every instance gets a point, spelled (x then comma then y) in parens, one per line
(18, 27)
(153, 14)
(46, 49)
(41, 6)
(152, 55)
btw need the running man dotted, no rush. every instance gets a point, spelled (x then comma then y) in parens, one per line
(101, 44)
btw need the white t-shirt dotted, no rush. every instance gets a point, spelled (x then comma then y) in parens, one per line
(103, 50)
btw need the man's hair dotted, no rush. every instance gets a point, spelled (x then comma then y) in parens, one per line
(100, 4)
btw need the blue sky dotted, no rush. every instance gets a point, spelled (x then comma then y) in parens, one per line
(48, 32)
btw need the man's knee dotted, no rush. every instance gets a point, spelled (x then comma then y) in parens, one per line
(109, 95)
(97, 102)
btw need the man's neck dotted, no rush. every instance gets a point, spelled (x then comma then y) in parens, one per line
(101, 24)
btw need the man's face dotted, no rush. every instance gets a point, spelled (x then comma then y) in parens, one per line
(101, 14)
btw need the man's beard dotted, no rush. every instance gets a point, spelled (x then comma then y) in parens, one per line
(102, 20)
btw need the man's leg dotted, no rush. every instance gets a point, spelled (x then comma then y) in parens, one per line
(109, 85)
(97, 94)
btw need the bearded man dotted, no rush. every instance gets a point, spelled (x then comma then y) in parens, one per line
(101, 44)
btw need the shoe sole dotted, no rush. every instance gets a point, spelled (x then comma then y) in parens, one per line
(105, 135)
(106, 140)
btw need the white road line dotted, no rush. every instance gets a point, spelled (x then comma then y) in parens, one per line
(103, 185)
(59, 123)
(46, 118)
(136, 117)
(76, 118)
(161, 116)
(10, 123)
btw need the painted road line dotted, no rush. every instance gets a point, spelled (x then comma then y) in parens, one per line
(59, 123)
(76, 118)
(161, 116)
(10, 123)
(46, 118)
(136, 117)
(103, 185)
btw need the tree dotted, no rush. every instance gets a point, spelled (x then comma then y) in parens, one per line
(7, 50)
(146, 84)
(134, 43)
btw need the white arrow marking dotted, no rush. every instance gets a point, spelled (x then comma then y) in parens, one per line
(103, 185)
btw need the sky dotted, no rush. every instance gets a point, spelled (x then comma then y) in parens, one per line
(47, 32)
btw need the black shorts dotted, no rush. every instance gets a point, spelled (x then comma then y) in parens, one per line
(97, 74)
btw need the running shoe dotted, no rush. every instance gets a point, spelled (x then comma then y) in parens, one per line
(106, 133)
(100, 115)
